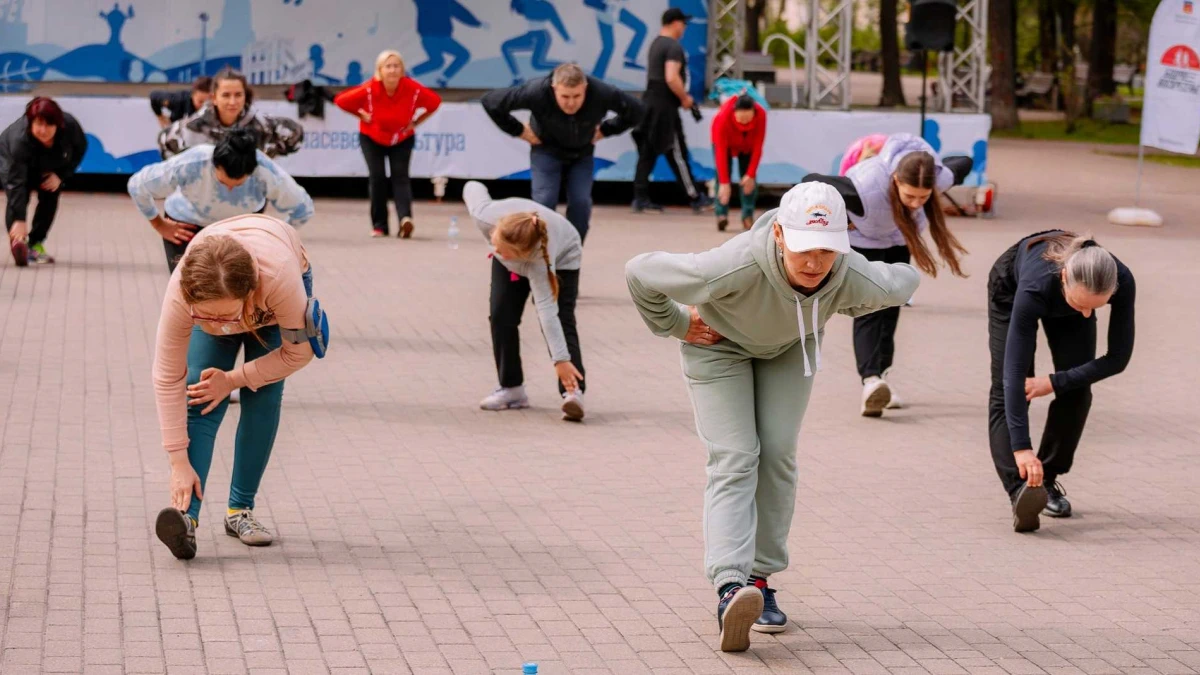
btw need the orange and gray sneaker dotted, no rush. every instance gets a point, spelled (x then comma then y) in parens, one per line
(20, 252)
(243, 525)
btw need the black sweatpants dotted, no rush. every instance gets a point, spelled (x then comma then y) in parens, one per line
(875, 333)
(1072, 341)
(43, 214)
(661, 133)
(398, 157)
(509, 298)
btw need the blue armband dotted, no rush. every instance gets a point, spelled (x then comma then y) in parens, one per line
(315, 331)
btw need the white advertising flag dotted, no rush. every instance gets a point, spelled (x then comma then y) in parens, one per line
(1171, 109)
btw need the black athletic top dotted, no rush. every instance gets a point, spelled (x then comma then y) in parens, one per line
(664, 49)
(1039, 295)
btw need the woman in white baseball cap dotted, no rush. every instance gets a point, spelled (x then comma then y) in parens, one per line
(898, 191)
(751, 315)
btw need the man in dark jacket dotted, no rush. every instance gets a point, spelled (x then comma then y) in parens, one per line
(567, 112)
(38, 152)
(172, 106)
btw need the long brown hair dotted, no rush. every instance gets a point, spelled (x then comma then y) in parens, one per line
(918, 169)
(1085, 261)
(218, 268)
(526, 232)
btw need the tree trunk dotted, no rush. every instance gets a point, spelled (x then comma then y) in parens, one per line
(1004, 74)
(1067, 87)
(1047, 47)
(893, 90)
(754, 13)
(1104, 46)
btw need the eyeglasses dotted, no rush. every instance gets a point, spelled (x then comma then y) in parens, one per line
(213, 319)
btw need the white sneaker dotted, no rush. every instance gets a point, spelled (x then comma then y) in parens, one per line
(572, 406)
(509, 398)
(876, 396)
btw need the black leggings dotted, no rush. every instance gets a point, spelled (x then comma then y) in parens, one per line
(875, 333)
(43, 215)
(509, 297)
(1072, 341)
(397, 157)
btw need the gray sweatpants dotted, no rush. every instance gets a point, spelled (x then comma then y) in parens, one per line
(748, 412)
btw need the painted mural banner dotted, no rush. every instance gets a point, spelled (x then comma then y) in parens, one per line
(460, 141)
(473, 44)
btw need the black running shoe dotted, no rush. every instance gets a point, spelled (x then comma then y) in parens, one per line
(722, 223)
(176, 529)
(739, 608)
(1027, 504)
(1057, 505)
(702, 202)
(772, 619)
(643, 205)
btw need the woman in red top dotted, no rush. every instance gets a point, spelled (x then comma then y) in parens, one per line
(738, 130)
(388, 106)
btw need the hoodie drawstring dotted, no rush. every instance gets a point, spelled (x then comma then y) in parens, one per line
(808, 370)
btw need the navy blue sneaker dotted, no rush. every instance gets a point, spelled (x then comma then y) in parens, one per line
(772, 619)
(739, 608)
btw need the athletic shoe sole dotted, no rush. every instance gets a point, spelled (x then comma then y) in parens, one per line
(877, 401)
(171, 528)
(738, 620)
(722, 223)
(768, 628)
(572, 411)
(20, 253)
(406, 229)
(1029, 503)
(515, 405)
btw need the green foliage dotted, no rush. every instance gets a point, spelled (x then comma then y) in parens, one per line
(1085, 131)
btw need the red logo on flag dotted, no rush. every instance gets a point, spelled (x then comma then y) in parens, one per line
(1187, 6)
(1181, 56)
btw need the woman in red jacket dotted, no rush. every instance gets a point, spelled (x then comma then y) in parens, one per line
(738, 130)
(388, 105)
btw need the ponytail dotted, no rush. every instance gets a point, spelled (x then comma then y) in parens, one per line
(544, 242)
(919, 170)
(527, 232)
(1086, 262)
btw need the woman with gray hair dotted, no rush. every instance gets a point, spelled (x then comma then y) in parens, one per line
(1060, 279)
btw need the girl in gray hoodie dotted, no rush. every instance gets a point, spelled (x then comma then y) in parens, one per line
(751, 315)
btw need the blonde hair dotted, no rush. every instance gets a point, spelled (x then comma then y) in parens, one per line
(1085, 261)
(382, 59)
(568, 75)
(526, 232)
(219, 268)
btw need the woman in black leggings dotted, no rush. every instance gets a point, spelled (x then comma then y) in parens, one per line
(1059, 279)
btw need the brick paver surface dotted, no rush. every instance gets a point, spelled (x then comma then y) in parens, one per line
(419, 534)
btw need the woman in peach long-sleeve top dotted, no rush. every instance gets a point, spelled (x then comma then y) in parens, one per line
(241, 282)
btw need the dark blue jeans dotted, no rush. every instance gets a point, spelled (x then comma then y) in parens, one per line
(547, 174)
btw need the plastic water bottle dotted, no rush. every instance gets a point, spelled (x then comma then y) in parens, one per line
(452, 233)
(529, 669)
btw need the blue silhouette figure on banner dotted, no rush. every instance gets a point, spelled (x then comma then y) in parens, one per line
(608, 13)
(979, 153)
(436, 28)
(537, 40)
(695, 43)
(931, 133)
(108, 61)
(354, 73)
(316, 56)
(116, 21)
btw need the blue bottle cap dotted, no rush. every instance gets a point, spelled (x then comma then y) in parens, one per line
(529, 669)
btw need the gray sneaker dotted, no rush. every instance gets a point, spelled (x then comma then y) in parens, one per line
(505, 398)
(572, 406)
(246, 527)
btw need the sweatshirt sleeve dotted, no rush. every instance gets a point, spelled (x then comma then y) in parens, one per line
(721, 146)
(875, 285)
(158, 99)
(760, 137)
(547, 310)
(1018, 360)
(663, 285)
(288, 300)
(353, 99)
(154, 182)
(1120, 345)
(77, 145)
(499, 104)
(427, 98)
(284, 193)
(170, 368)
(16, 179)
(628, 112)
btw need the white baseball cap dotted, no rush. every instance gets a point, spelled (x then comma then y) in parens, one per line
(813, 215)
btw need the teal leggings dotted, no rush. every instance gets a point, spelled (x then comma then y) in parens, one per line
(258, 424)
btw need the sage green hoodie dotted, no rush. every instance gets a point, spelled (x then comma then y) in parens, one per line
(741, 291)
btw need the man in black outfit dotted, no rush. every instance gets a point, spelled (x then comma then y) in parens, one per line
(661, 133)
(172, 106)
(567, 111)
